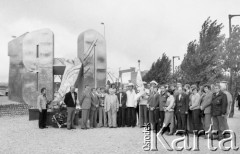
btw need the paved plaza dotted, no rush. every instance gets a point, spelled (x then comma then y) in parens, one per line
(20, 136)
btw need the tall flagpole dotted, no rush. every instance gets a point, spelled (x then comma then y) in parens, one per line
(139, 61)
(95, 72)
(138, 104)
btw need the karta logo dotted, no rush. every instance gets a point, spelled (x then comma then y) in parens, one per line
(151, 138)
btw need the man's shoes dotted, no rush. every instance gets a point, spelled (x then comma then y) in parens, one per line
(41, 128)
(73, 127)
(45, 127)
(111, 127)
(214, 137)
(68, 128)
(169, 134)
(84, 128)
(226, 135)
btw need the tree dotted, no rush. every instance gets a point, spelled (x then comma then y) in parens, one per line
(201, 64)
(160, 70)
(231, 53)
(231, 59)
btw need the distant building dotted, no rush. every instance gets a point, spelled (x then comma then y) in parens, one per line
(133, 73)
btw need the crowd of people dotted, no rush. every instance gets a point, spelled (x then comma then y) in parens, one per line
(167, 108)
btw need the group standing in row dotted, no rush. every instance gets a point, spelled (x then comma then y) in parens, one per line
(165, 107)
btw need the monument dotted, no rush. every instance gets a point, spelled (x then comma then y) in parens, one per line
(33, 65)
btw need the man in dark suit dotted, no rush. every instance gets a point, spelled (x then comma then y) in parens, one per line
(70, 100)
(94, 108)
(219, 107)
(121, 115)
(181, 110)
(153, 102)
(85, 103)
(162, 102)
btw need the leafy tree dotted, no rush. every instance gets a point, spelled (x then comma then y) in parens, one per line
(201, 64)
(231, 59)
(231, 55)
(160, 70)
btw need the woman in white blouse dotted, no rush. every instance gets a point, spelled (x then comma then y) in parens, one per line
(195, 107)
(169, 113)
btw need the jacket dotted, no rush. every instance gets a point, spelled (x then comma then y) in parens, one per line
(219, 104)
(206, 102)
(123, 99)
(111, 102)
(195, 101)
(94, 101)
(153, 100)
(42, 102)
(182, 105)
(68, 100)
(162, 101)
(143, 100)
(170, 103)
(85, 100)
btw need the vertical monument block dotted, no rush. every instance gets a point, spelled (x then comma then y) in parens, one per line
(35, 52)
(92, 53)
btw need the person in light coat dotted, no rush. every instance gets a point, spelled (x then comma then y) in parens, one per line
(169, 113)
(206, 107)
(111, 106)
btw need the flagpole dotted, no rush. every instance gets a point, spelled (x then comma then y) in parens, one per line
(139, 64)
(138, 118)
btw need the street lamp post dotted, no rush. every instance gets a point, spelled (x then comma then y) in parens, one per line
(173, 61)
(102, 23)
(231, 71)
(139, 61)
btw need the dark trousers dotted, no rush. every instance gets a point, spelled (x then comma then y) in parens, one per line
(181, 121)
(190, 121)
(197, 124)
(220, 124)
(93, 118)
(42, 118)
(154, 119)
(131, 116)
(121, 117)
(207, 121)
(143, 117)
(70, 117)
(85, 117)
(161, 116)
(137, 110)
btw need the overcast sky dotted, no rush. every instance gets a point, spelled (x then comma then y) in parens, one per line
(135, 29)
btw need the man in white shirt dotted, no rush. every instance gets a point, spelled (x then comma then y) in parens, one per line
(131, 106)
